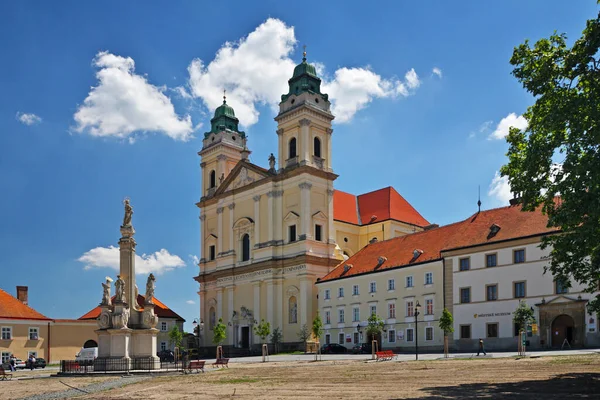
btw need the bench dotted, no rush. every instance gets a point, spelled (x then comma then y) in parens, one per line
(385, 355)
(221, 361)
(197, 365)
(4, 375)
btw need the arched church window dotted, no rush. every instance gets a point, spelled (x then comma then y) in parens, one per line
(317, 147)
(212, 318)
(245, 247)
(293, 310)
(213, 179)
(292, 149)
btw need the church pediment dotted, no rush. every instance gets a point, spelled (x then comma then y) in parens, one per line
(244, 173)
(291, 216)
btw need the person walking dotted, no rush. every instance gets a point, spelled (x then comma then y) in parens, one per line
(481, 349)
(31, 362)
(12, 363)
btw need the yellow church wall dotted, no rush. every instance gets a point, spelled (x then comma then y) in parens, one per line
(67, 338)
(20, 344)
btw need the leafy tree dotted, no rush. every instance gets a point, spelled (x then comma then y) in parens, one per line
(304, 334)
(446, 325)
(374, 326)
(219, 332)
(523, 315)
(263, 330)
(276, 337)
(317, 331)
(175, 337)
(558, 153)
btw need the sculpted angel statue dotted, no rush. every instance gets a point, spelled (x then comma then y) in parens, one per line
(271, 161)
(106, 295)
(150, 289)
(128, 213)
(120, 290)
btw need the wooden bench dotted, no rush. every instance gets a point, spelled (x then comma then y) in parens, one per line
(198, 365)
(4, 375)
(385, 355)
(221, 362)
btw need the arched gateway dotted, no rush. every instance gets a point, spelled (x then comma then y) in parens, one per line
(563, 327)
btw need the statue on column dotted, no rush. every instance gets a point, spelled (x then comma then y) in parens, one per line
(150, 289)
(128, 213)
(106, 301)
(271, 161)
(120, 290)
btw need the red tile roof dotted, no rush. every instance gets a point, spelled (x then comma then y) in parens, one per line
(473, 231)
(384, 203)
(160, 309)
(12, 308)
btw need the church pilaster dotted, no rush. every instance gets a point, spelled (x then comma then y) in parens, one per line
(230, 316)
(230, 227)
(219, 230)
(305, 231)
(256, 219)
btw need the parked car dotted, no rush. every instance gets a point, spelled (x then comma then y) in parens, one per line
(166, 355)
(364, 348)
(20, 364)
(333, 348)
(39, 363)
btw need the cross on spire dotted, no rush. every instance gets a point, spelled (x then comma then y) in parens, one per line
(304, 53)
(224, 96)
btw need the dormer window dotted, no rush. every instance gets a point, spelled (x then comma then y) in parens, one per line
(494, 229)
(417, 253)
(380, 261)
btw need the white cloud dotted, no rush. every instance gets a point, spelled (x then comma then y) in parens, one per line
(437, 71)
(190, 302)
(484, 127)
(255, 71)
(511, 120)
(124, 103)
(500, 189)
(194, 259)
(108, 257)
(28, 119)
(182, 92)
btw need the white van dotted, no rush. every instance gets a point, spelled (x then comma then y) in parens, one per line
(88, 354)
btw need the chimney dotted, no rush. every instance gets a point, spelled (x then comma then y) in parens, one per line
(22, 294)
(514, 201)
(431, 226)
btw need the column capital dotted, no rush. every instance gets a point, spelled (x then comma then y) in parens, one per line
(202, 164)
(202, 217)
(329, 130)
(279, 131)
(231, 206)
(330, 192)
(257, 197)
(220, 210)
(275, 193)
(305, 185)
(221, 157)
(304, 122)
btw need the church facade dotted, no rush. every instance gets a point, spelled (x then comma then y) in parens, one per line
(267, 235)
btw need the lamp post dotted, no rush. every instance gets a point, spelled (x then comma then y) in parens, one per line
(417, 308)
(200, 326)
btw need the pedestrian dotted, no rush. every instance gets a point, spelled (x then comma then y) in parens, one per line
(31, 361)
(481, 349)
(12, 363)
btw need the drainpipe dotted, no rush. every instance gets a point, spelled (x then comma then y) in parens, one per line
(48, 355)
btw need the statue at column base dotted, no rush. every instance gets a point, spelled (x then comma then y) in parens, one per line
(120, 321)
(105, 318)
(149, 319)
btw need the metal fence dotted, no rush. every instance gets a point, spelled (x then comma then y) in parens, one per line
(111, 365)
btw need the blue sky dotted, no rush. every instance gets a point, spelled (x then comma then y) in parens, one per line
(110, 99)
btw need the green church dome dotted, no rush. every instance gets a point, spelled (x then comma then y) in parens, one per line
(305, 79)
(224, 119)
(224, 110)
(304, 68)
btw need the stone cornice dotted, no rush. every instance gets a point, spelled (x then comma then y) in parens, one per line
(304, 122)
(305, 185)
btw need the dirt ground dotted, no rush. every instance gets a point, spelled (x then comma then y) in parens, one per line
(15, 389)
(539, 378)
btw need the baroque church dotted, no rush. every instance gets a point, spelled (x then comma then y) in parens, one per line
(267, 235)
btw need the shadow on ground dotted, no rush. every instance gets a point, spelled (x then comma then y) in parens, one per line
(565, 386)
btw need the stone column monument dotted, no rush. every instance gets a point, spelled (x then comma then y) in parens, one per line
(126, 332)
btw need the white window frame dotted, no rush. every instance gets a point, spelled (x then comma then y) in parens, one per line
(6, 356)
(432, 307)
(355, 314)
(412, 334)
(32, 353)
(430, 328)
(163, 346)
(392, 310)
(7, 329)
(430, 274)
(411, 308)
(327, 294)
(409, 279)
(164, 326)
(372, 309)
(392, 336)
(341, 338)
(355, 291)
(391, 284)
(356, 338)
(321, 231)
(327, 338)
(341, 316)
(328, 317)
(36, 330)
(373, 287)
(340, 292)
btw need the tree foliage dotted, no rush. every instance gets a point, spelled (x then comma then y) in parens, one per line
(263, 330)
(317, 327)
(374, 326)
(523, 315)
(276, 337)
(175, 336)
(219, 332)
(446, 322)
(558, 154)
(304, 334)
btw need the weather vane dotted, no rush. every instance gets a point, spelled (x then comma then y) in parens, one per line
(224, 95)
(304, 53)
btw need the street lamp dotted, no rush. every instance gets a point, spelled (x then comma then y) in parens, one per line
(200, 326)
(417, 308)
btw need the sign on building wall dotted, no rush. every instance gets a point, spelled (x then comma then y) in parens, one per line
(400, 334)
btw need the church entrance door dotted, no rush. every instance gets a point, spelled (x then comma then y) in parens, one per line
(245, 337)
(562, 328)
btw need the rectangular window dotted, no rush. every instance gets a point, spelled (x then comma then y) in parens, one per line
(465, 295)
(6, 333)
(341, 292)
(465, 264)
(519, 256)
(292, 233)
(429, 278)
(429, 333)
(212, 250)
(391, 284)
(561, 288)
(341, 338)
(492, 330)
(328, 317)
(491, 292)
(318, 232)
(356, 338)
(341, 315)
(356, 314)
(5, 357)
(410, 309)
(519, 290)
(491, 260)
(32, 353)
(327, 294)
(409, 281)
(373, 310)
(372, 287)
(429, 307)
(465, 331)
(163, 326)
(327, 338)
(163, 346)
(392, 336)
(410, 335)
(33, 333)
(392, 310)
(355, 290)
